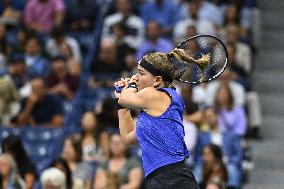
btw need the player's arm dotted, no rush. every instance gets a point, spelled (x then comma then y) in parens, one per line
(127, 126)
(143, 99)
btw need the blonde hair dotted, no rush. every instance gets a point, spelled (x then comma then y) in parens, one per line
(163, 63)
(14, 174)
(186, 56)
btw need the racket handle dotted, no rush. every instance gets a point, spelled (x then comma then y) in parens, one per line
(118, 89)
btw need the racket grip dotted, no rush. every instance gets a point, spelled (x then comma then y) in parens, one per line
(118, 89)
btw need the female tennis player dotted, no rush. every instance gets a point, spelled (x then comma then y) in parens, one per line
(159, 125)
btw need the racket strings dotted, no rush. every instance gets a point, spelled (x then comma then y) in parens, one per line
(200, 59)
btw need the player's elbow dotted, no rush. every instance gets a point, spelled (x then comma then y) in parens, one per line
(122, 100)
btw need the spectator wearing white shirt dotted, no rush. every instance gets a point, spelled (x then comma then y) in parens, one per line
(206, 11)
(58, 38)
(135, 25)
(202, 26)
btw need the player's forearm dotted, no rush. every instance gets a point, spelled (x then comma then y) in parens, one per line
(126, 123)
(127, 97)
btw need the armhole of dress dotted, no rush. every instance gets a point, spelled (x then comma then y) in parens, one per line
(165, 91)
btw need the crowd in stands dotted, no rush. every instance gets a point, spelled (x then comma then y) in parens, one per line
(59, 130)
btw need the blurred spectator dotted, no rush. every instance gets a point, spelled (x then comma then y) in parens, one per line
(215, 183)
(134, 24)
(206, 11)
(21, 40)
(164, 12)
(245, 16)
(4, 48)
(213, 166)
(107, 116)
(237, 72)
(71, 183)
(119, 171)
(130, 64)
(190, 105)
(202, 26)
(36, 63)
(190, 138)
(237, 89)
(81, 14)
(199, 94)
(95, 143)
(107, 66)
(120, 38)
(73, 65)
(16, 4)
(52, 178)
(244, 60)
(232, 17)
(40, 108)
(42, 15)
(243, 52)
(190, 129)
(60, 81)
(9, 173)
(72, 153)
(27, 170)
(231, 118)
(229, 142)
(10, 15)
(125, 53)
(59, 38)
(9, 97)
(17, 72)
(154, 41)
(241, 98)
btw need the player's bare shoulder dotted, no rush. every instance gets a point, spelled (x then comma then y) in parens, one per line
(153, 95)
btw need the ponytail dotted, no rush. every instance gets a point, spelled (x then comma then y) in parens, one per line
(184, 56)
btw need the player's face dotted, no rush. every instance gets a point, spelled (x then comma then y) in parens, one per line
(144, 78)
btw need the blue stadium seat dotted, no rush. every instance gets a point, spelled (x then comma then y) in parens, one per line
(42, 144)
(5, 131)
(41, 134)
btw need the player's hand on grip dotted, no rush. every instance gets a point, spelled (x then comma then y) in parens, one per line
(121, 85)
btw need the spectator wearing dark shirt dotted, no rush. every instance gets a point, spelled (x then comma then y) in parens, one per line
(40, 108)
(17, 71)
(81, 14)
(237, 72)
(19, 44)
(60, 81)
(107, 67)
(4, 47)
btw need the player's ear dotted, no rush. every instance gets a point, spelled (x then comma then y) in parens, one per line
(159, 79)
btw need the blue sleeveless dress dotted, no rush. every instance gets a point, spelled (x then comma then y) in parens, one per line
(161, 138)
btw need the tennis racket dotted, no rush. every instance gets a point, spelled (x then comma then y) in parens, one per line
(208, 58)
